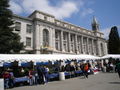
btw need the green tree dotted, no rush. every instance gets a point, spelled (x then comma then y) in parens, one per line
(9, 41)
(114, 41)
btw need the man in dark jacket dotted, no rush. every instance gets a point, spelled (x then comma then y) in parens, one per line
(40, 75)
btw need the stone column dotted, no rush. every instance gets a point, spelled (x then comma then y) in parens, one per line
(53, 39)
(106, 49)
(69, 42)
(50, 38)
(76, 44)
(87, 44)
(98, 48)
(93, 47)
(37, 39)
(82, 51)
(62, 48)
(41, 35)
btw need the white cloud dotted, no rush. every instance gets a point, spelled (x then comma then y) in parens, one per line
(106, 32)
(15, 7)
(118, 28)
(64, 9)
(87, 11)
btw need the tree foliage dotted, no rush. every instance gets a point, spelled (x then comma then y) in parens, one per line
(9, 41)
(114, 41)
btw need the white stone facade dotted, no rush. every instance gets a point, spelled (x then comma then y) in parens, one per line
(49, 35)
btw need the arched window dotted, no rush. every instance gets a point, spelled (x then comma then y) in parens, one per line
(45, 38)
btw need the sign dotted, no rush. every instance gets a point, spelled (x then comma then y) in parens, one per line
(1, 84)
(1, 64)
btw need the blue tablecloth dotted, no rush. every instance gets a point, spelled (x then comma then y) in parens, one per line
(78, 72)
(53, 75)
(21, 79)
(67, 73)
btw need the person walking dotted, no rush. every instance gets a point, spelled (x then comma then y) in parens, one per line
(82, 69)
(118, 68)
(86, 68)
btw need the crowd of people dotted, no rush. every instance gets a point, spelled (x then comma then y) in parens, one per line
(39, 74)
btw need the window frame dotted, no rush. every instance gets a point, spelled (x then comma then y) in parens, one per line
(17, 26)
(28, 41)
(29, 28)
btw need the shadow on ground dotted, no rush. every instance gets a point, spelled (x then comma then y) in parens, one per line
(82, 77)
(114, 82)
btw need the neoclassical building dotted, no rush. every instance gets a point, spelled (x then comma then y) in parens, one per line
(43, 33)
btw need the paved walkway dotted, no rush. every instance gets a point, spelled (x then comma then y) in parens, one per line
(100, 81)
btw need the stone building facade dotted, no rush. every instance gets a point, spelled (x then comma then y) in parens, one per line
(43, 33)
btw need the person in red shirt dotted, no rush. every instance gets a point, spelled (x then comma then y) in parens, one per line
(6, 76)
(86, 68)
(31, 76)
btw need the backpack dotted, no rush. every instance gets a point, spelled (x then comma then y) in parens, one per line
(86, 68)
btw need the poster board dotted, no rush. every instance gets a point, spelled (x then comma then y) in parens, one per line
(1, 84)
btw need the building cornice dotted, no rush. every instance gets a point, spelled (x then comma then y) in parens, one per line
(67, 29)
(75, 29)
(62, 24)
(41, 13)
(21, 17)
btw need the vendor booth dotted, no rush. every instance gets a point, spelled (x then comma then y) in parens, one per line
(58, 66)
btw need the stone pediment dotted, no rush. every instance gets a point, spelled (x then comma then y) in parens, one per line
(42, 16)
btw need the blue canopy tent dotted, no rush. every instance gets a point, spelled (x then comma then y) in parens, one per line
(25, 64)
(42, 63)
(6, 64)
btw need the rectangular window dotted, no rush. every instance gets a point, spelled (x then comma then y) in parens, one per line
(65, 46)
(29, 28)
(28, 41)
(17, 26)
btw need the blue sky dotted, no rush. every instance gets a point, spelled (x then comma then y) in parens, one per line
(78, 12)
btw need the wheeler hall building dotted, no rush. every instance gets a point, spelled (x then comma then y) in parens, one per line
(42, 33)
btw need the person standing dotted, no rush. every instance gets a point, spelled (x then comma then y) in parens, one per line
(31, 77)
(6, 76)
(40, 75)
(118, 68)
(46, 75)
(35, 76)
(11, 80)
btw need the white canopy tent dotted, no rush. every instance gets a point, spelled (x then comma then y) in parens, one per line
(115, 56)
(43, 57)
